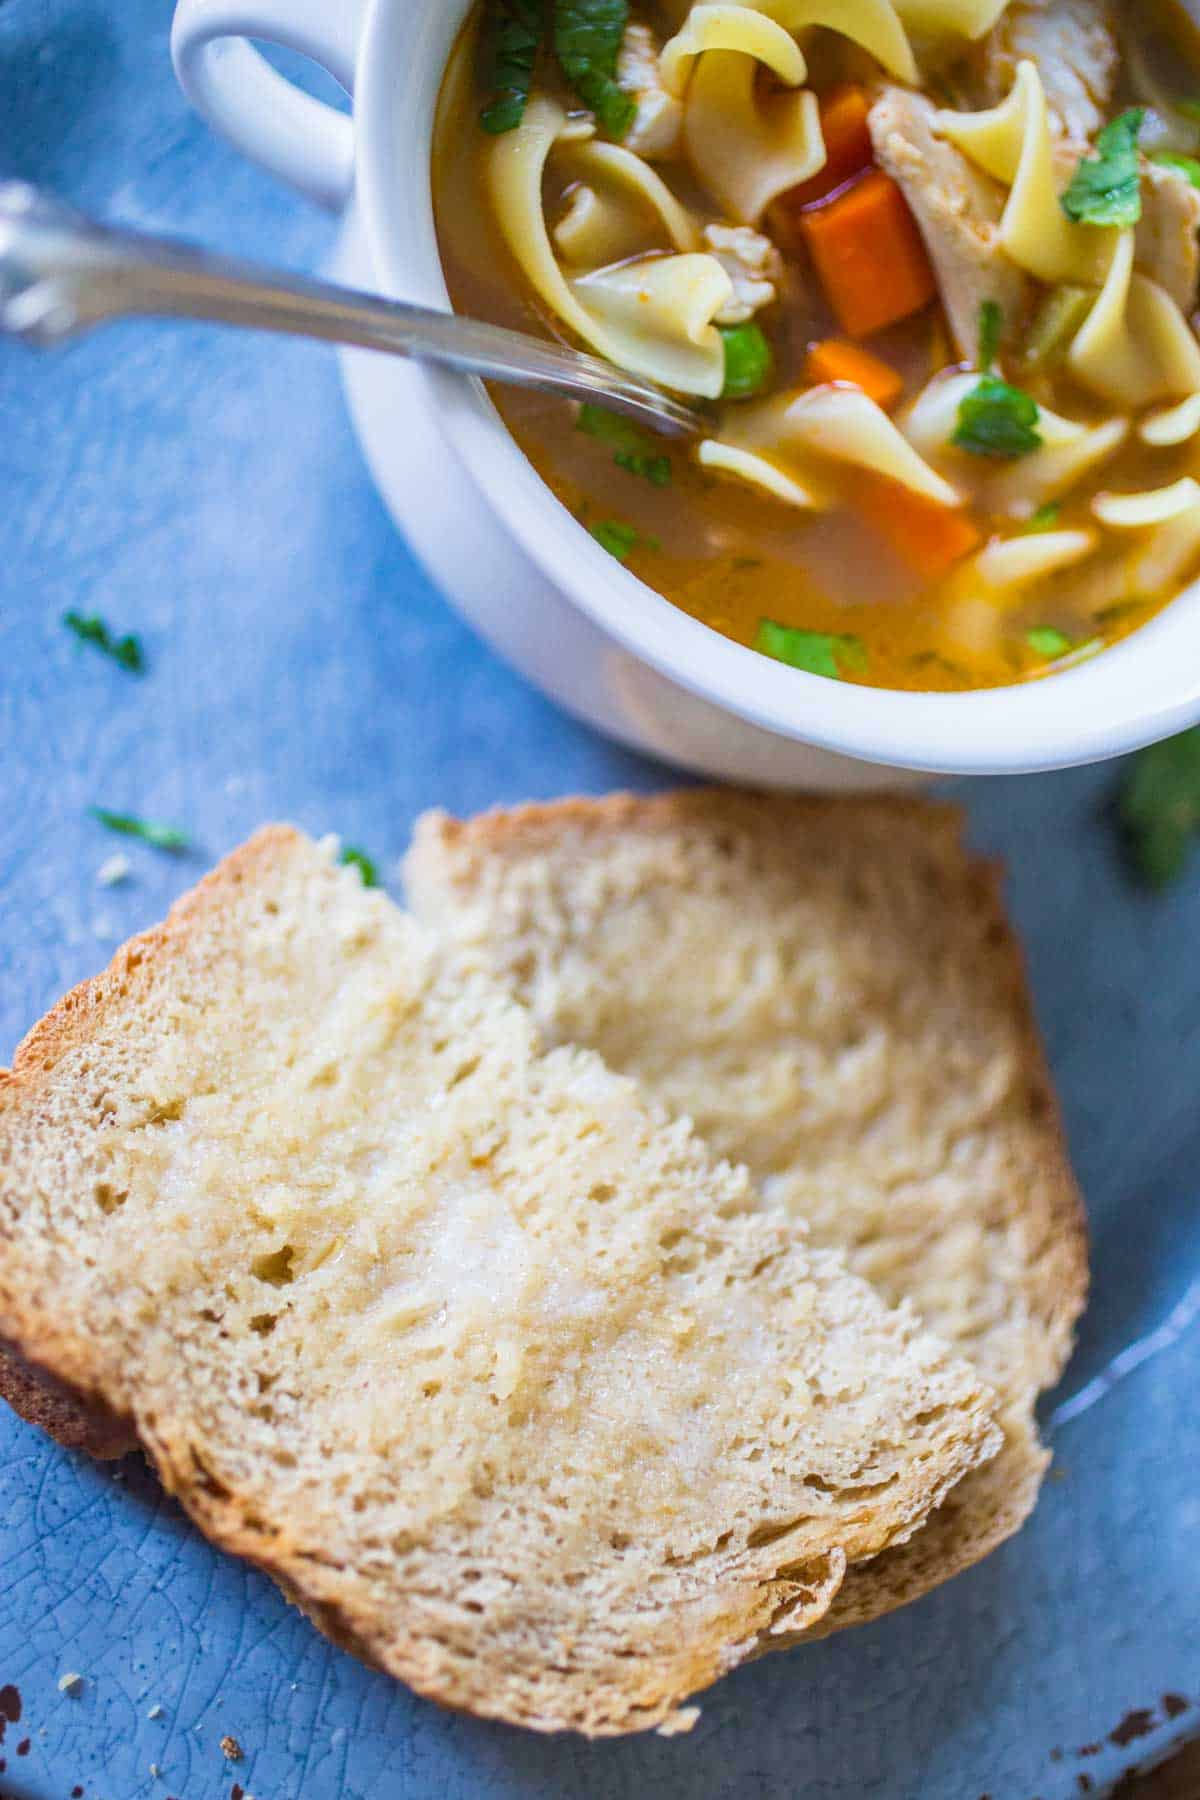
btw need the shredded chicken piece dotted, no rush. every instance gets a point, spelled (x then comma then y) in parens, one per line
(1073, 43)
(752, 263)
(957, 209)
(1168, 245)
(658, 122)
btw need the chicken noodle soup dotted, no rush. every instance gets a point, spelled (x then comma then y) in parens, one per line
(927, 267)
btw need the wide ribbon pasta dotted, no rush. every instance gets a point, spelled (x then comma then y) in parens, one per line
(1012, 143)
(1151, 506)
(653, 317)
(1173, 425)
(778, 445)
(1008, 564)
(875, 25)
(732, 27)
(950, 18)
(746, 147)
(1135, 346)
(1069, 450)
(618, 200)
(1170, 552)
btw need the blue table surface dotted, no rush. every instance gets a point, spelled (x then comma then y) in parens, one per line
(204, 490)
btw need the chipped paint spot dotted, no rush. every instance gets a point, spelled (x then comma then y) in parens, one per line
(10, 1707)
(1136, 1724)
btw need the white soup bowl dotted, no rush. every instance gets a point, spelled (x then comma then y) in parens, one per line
(512, 558)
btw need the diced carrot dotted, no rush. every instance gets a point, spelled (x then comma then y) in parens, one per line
(848, 151)
(929, 539)
(869, 255)
(836, 360)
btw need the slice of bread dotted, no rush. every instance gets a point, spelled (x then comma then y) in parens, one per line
(495, 1368)
(830, 991)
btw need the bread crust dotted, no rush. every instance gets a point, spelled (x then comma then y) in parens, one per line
(44, 1371)
(61, 1411)
(992, 1503)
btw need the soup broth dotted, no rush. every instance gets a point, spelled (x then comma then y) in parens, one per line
(997, 555)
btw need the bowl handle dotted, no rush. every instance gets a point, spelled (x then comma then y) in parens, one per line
(306, 143)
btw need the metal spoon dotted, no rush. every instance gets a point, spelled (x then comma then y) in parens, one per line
(61, 273)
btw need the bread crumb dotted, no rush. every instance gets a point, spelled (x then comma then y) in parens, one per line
(154, 1770)
(231, 1750)
(155, 1711)
(114, 869)
(683, 1720)
(70, 1683)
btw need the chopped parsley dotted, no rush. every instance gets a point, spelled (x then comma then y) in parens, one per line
(816, 652)
(125, 651)
(749, 361)
(159, 837)
(622, 540)
(1106, 188)
(1159, 807)
(1175, 159)
(654, 469)
(512, 35)
(352, 858)
(1119, 609)
(1054, 646)
(1045, 641)
(1045, 518)
(633, 450)
(996, 419)
(991, 324)
(587, 42)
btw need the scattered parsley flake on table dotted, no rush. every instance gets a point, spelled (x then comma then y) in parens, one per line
(159, 837)
(1158, 805)
(125, 651)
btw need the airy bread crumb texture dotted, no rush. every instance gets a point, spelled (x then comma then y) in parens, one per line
(511, 1384)
(830, 990)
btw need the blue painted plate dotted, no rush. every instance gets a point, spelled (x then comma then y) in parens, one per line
(204, 491)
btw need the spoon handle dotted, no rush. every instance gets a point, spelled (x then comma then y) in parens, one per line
(61, 273)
